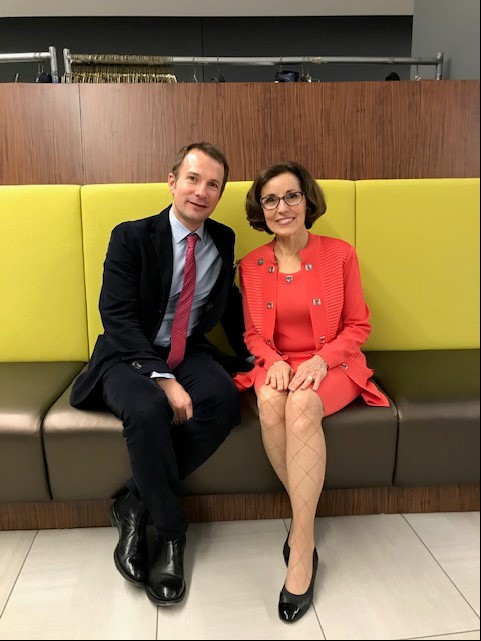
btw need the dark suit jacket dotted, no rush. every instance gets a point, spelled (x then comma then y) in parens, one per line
(135, 291)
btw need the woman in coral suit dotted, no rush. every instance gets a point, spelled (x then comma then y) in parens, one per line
(306, 321)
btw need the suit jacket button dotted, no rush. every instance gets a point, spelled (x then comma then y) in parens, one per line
(136, 364)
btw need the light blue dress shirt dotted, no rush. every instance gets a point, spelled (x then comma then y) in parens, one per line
(208, 265)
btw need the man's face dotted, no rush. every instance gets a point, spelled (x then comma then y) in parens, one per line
(197, 188)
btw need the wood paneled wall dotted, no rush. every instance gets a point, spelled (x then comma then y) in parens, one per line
(40, 141)
(347, 130)
(233, 507)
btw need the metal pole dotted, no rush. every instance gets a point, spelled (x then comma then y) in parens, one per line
(50, 55)
(252, 61)
(24, 57)
(439, 66)
(53, 64)
(66, 62)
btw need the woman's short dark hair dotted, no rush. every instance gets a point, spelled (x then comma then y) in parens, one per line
(315, 199)
(209, 150)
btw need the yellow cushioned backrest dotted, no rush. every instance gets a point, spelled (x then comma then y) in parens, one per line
(338, 221)
(418, 245)
(104, 207)
(43, 315)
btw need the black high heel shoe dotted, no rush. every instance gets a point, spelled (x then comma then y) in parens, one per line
(286, 550)
(294, 606)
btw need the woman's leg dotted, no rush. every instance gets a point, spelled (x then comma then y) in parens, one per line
(306, 467)
(271, 404)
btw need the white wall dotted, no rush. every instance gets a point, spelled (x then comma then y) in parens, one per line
(450, 26)
(186, 8)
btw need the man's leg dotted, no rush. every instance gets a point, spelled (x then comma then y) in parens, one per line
(143, 408)
(161, 454)
(216, 410)
(216, 404)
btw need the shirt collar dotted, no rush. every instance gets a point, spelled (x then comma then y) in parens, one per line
(180, 231)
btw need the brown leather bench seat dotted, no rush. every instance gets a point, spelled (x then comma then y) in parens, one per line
(60, 467)
(436, 393)
(87, 457)
(27, 391)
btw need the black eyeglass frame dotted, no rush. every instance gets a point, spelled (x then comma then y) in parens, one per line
(279, 198)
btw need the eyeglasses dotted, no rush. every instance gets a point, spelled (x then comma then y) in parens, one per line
(291, 199)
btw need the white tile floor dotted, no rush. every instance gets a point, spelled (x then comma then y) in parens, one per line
(394, 576)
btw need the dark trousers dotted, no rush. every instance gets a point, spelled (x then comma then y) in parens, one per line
(161, 454)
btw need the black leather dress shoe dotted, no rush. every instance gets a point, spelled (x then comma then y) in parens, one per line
(294, 606)
(165, 583)
(129, 516)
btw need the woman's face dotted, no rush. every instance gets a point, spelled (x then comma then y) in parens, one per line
(284, 219)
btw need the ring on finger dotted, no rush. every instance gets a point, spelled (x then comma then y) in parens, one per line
(310, 379)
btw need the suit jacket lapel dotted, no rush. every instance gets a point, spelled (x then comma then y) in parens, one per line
(162, 241)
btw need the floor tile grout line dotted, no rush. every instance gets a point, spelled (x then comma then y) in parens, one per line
(319, 622)
(441, 567)
(440, 636)
(18, 574)
(159, 618)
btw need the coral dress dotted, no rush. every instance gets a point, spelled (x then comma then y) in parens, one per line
(318, 310)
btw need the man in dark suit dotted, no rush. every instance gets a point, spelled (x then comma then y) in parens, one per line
(175, 414)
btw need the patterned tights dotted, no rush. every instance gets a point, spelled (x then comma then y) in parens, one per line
(294, 442)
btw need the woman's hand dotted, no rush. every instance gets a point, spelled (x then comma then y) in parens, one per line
(278, 375)
(310, 372)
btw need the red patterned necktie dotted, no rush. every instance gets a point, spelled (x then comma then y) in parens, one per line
(178, 335)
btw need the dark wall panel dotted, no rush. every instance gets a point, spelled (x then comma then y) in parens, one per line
(310, 36)
(250, 36)
(141, 36)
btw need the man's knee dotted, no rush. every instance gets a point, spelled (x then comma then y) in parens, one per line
(148, 411)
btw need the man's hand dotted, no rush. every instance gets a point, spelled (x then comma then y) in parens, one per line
(178, 399)
(278, 375)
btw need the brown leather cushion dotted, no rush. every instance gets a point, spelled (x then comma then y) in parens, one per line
(437, 396)
(87, 457)
(361, 446)
(27, 390)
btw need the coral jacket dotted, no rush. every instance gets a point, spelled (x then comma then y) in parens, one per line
(339, 314)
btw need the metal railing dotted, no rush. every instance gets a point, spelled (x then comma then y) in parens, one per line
(36, 56)
(168, 61)
(146, 61)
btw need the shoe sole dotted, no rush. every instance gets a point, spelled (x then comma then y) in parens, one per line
(116, 523)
